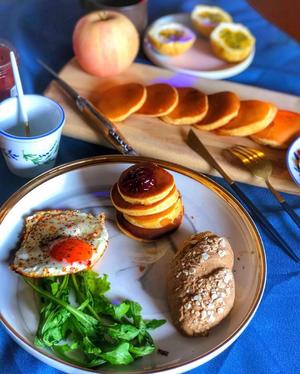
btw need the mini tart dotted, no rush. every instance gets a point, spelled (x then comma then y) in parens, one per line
(222, 107)
(192, 107)
(118, 102)
(206, 18)
(232, 42)
(142, 210)
(253, 116)
(171, 39)
(158, 220)
(282, 131)
(145, 183)
(161, 100)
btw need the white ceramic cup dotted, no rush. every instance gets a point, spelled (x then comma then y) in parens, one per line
(30, 156)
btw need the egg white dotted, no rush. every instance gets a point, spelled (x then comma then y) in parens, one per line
(45, 228)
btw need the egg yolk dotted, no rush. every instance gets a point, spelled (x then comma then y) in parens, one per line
(72, 250)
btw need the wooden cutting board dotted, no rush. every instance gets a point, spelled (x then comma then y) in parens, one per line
(154, 138)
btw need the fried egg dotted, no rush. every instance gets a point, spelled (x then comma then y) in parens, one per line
(59, 242)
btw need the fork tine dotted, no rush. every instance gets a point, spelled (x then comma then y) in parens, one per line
(252, 151)
(244, 159)
(249, 156)
(259, 153)
(247, 152)
(239, 155)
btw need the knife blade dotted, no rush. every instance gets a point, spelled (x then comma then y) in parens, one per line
(195, 143)
(108, 128)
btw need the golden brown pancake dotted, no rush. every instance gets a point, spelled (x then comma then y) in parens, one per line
(161, 100)
(142, 210)
(281, 132)
(253, 116)
(145, 183)
(191, 108)
(140, 233)
(158, 220)
(222, 107)
(118, 102)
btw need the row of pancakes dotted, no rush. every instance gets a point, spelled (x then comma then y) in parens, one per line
(148, 204)
(222, 111)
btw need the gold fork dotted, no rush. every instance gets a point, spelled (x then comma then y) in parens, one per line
(261, 167)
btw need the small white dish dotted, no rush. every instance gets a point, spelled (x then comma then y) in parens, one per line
(199, 60)
(293, 161)
(29, 156)
(136, 270)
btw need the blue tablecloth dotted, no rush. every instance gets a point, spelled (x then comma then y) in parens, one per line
(271, 343)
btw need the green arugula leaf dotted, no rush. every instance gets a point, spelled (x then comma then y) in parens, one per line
(85, 321)
(144, 338)
(134, 312)
(103, 306)
(118, 356)
(154, 323)
(85, 325)
(135, 309)
(97, 330)
(83, 293)
(141, 351)
(117, 311)
(90, 348)
(52, 330)
(122, 332)
(96, 285)
(63, 351)
(51, 326)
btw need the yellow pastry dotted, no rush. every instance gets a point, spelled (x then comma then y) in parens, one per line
(171, 39)
(222, 107)
(118, 102)
(191, 108)
(157, 220)
(284, 128)
(232, 42)
(139, 210)
(205, 18)
(161, 100)
(253, 116)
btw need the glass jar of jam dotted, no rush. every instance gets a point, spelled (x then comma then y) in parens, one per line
(7, 83)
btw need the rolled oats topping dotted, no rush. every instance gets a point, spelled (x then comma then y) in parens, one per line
(202, 283)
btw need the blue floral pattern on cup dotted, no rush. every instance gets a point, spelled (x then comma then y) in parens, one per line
(9, 154)
(45, 158)
(36, 159)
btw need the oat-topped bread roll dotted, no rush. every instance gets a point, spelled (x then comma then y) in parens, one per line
(201, 286)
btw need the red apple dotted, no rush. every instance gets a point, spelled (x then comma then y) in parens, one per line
(105, 43)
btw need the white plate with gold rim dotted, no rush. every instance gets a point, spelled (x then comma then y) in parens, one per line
(84, 185)
(199, 60)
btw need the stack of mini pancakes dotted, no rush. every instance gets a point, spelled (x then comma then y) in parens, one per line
(147, 201)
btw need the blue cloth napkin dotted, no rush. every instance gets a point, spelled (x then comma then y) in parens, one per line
(271, 343)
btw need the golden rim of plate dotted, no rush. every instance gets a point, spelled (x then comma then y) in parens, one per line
(204, 180)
